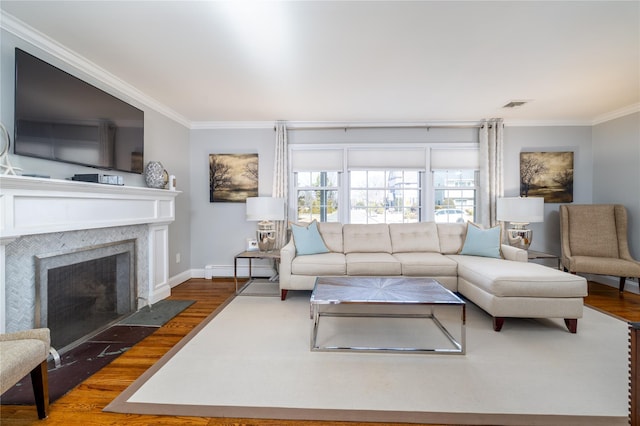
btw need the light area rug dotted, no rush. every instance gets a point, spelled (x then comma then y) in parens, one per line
(252, 359)
(261, 287)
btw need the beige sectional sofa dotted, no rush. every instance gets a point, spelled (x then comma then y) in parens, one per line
(503, 287)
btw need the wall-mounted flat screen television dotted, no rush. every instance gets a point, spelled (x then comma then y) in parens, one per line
(62, 118)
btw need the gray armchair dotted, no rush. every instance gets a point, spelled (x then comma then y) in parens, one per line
(22, 353)
(594, 241)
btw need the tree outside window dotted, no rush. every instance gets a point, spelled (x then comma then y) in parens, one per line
(317, 196)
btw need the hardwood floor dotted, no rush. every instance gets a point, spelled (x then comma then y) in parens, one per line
(83, 405)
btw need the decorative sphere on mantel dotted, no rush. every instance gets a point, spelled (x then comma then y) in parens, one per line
(155, 175)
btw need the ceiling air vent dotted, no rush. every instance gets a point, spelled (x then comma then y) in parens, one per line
(515, 104)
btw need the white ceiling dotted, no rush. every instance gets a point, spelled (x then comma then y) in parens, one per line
(360, 61)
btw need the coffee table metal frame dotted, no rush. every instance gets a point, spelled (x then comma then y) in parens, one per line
(398, 291)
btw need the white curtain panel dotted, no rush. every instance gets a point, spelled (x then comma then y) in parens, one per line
(280, 181)
(491, 170)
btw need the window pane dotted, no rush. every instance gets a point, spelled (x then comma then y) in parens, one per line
(455, 195)
(376, 198)
(376, 179)
(303, 179)
(317, 196)
(358, 198)
(331, 207)
(391, 196)
(315, 179)
(358, 179)
(305, 201)
(321, 205)
(412, 177)
(331, 179)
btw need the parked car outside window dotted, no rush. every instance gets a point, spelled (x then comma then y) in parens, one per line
(451, 216)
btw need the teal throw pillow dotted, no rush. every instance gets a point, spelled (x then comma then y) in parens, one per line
(482, 242)
(308, 240)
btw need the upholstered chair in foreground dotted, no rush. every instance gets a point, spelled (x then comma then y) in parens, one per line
(594, 241)
(22, 353)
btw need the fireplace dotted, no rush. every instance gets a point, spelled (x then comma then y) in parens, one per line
(81, 292)
(43, 217)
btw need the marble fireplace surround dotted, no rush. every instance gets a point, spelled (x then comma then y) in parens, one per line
(48, 215)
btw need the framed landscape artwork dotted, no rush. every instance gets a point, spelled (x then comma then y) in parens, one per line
(548, 175)
(232, 177)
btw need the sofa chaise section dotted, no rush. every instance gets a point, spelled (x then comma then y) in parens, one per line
(506, 289)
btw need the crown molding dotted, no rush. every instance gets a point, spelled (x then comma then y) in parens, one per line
(23, 31)
(631, 109)
(231, 125)
(547, 123)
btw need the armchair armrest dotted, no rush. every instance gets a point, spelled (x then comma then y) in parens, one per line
(42, 334)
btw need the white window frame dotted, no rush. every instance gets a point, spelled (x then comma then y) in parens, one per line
(427, 189)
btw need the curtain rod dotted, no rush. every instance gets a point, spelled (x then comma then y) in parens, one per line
(384, 126)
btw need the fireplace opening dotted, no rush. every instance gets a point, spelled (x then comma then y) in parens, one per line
(83, 292)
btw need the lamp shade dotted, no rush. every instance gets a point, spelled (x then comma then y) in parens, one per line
(520, 209)
(265, 208)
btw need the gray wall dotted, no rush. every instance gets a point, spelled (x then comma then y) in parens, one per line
(168, 142)
(616, 170)
(165, 140)
(546, 235)
(219, 230)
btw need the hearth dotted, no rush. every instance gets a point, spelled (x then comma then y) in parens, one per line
(81, 292)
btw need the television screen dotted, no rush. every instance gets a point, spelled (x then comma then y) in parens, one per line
(62, 118)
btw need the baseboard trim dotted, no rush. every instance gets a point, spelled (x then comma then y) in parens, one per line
(257, 271)
(180, 278)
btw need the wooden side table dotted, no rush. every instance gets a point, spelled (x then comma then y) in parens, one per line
(538, 255)
(273, 255)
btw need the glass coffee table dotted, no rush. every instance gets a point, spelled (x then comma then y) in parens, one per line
(389, 298)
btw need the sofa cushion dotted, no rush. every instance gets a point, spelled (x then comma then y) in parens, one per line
(414, 237)
(319, 264)
(482, 242)
(372, 264)
(426, 265)
(369, 238)
(451, 236)
(507, 278)
(307, 239)
(332, 235)
(599, 220)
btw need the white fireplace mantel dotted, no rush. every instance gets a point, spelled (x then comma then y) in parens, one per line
(31, 206)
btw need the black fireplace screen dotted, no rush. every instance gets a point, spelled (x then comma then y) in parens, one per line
(84, 298)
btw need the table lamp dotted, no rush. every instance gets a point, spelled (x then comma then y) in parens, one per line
(520, 212)
(265, 210)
